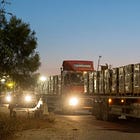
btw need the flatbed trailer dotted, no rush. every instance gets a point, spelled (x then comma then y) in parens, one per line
(116, 92)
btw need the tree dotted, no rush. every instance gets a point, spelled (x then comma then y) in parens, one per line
(19, 48)
(3, 47)
(18, 43)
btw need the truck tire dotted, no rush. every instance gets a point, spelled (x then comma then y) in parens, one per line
(106, 116)
(104, 110)
(97, 110)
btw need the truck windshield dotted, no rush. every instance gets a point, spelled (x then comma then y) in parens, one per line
(74, 78)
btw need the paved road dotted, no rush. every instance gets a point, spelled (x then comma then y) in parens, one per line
(84, 127)
(4, 108)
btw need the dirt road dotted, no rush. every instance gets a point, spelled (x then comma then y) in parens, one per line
(81, 128)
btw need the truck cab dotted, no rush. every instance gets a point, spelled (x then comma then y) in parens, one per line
(74, 93)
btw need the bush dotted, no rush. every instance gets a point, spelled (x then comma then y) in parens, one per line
(8, 126)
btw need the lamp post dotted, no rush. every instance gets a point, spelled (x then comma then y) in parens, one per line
(99, 62)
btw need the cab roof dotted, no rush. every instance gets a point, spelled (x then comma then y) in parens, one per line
(77, 65)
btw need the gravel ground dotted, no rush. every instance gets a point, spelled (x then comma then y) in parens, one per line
(65, 130)
(69, 134)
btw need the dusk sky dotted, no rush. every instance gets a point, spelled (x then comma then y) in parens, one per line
(82, 30)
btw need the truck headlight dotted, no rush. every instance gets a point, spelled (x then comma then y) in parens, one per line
(28, 98)
(73, 101)
(8, 98)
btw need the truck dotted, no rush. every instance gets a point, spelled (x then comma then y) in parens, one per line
(116, 92)
(21, 102)
(109, 93)
(67, 91)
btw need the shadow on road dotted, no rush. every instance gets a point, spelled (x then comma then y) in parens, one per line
(127, 126)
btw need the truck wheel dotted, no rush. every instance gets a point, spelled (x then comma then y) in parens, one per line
(98, 117)
(97, 111)
(105, 111)
(105, 117)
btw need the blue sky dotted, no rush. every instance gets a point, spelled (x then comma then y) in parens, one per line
(83, 30)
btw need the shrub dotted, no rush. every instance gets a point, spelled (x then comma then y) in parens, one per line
(8, 126)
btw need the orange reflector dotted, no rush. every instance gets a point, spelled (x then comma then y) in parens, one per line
(109, 100)
(122, 100)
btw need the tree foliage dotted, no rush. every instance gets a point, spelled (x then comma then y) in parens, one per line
(18, 56)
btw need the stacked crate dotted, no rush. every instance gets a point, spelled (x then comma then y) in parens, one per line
(101, 82)
(136, 78)
(124, 80)
(96, 82)
(90, 82)
(55, 81)
(86, 84)
(108, 81)
(115, 81)
(121, 80)
(59, 84)
(129, 78)
(50, 83)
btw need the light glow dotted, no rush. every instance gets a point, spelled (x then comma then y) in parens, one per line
(43, 78)
(8, 98)
(122, 100)
(109, 100)
(28, 98)
(73, 101)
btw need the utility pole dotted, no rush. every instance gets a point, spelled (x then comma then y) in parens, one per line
(99, 62)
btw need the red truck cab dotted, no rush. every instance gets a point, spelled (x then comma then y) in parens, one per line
(73, 72)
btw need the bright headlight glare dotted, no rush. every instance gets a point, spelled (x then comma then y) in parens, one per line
(73, 101)
(8, 98)
(28, 98)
